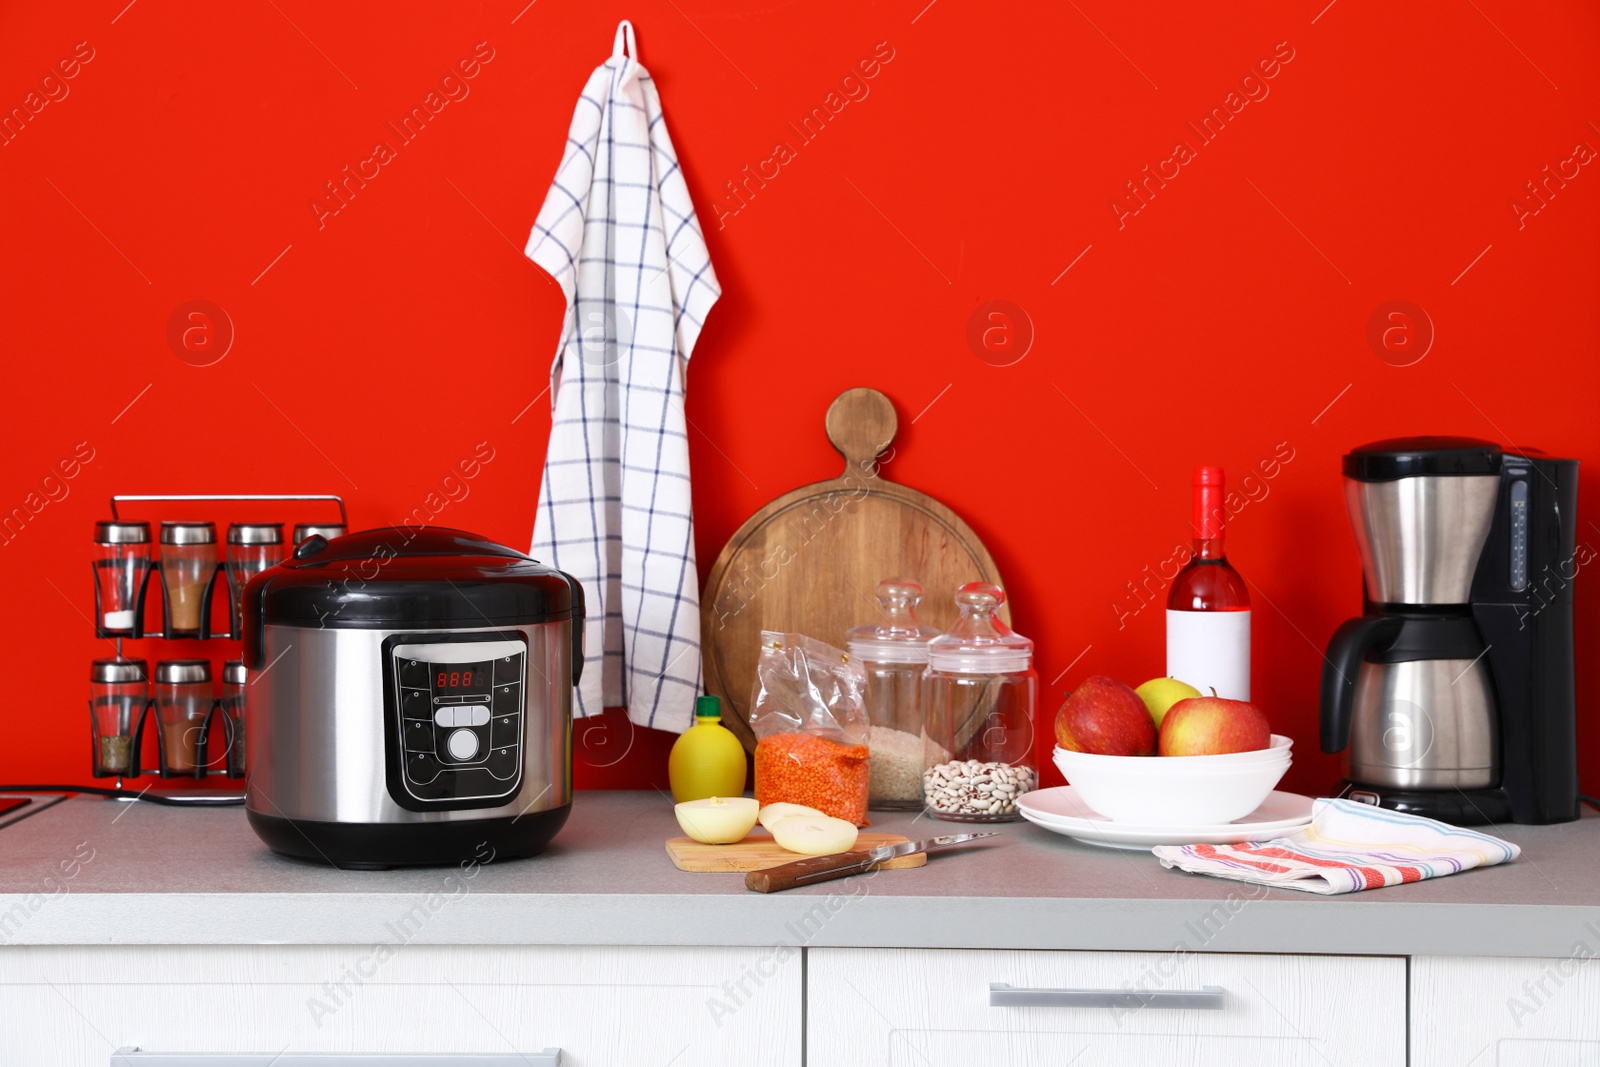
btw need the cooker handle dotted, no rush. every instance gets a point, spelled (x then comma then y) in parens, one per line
(577, 626)
(253, 626)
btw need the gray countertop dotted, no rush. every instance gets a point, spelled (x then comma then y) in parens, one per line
(90, 871)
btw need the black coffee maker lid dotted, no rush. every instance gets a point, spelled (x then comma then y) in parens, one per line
(1416, 457)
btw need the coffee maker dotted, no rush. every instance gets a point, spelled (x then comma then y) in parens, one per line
(1452, 696)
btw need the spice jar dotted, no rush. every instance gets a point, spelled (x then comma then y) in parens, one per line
(118, 693)
(121, 565)
(893, 652)
(183, 700)
(979, 692)
(188, 565)
(328, 530)
(252, 548)
(233, 683)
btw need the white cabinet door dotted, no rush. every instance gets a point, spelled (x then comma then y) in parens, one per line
(1475, 1012)
(931, 1008)
(602, 1006)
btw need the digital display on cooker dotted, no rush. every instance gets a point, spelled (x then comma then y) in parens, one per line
(458, 712)
(453, 678)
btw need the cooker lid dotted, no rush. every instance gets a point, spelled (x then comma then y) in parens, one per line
(394, 578)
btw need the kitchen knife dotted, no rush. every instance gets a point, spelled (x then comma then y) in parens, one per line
(821, 868)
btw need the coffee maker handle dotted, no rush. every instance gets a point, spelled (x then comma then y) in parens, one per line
(1341, 666)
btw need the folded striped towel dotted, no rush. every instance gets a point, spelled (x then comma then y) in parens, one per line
(1347, 848)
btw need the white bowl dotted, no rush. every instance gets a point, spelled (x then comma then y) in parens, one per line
(1154, 765)
(1183, 790)
(1279, 749)
(1279, 746)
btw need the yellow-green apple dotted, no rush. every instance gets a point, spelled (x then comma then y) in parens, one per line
(1159, 694)
(1105, 717)
(1213, 726)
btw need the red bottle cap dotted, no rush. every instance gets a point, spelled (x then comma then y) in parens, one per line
(1209, 511)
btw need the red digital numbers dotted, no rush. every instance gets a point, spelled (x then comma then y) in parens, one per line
(452, 679)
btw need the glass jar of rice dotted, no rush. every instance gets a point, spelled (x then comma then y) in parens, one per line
(893, 651)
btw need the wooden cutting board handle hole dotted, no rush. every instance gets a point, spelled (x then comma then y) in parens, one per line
(861, 424)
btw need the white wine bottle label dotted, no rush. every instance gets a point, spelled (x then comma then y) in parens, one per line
(1210, 650)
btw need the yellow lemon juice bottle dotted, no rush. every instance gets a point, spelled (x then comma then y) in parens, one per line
(707, 760)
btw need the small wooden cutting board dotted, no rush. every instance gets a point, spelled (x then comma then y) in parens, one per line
(758, 852)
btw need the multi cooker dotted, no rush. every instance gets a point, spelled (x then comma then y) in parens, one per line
(410, 699)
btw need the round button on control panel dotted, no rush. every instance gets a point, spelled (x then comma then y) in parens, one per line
(463, 744)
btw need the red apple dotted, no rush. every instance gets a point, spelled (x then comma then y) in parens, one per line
(1105, 717)
(1213, 726)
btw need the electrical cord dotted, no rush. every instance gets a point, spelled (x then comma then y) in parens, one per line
(1591, 801)
(153, 798)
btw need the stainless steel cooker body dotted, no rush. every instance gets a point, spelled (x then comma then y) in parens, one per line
(329, 734)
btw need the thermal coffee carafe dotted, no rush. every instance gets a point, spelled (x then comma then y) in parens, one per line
(1452, 695)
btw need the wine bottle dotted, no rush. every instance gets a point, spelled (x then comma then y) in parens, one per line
(1208, 608)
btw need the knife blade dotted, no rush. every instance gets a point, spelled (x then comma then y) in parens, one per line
(814, 869)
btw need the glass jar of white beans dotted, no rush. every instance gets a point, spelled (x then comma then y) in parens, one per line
(979, 694)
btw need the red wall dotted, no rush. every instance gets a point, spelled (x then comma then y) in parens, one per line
(1224, 322)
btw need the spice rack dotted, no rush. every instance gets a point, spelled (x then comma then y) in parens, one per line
(189, 569)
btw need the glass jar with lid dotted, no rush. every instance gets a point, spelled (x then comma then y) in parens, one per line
(252, 548)
(979, 693)
(118, 693)
(122, 563)
(893, 651)
(188, 567)
(233, 698)
(183, 703)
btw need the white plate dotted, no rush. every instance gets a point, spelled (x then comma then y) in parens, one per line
(1060, 811)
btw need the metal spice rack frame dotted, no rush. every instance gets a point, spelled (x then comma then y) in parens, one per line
(205, 633)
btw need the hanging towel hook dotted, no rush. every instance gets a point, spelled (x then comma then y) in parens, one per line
(625, 34)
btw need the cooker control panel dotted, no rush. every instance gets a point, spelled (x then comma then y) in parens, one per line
(458, 713)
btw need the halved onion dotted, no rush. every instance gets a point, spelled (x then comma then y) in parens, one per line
(718, 820)
(814, 835)
(782, 810)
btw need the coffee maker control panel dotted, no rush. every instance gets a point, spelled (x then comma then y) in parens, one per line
(457, 722)
(1517, 497)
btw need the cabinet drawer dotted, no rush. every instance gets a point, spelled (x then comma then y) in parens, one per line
(1507, 1012)
(601, 1006)
(932, 1008)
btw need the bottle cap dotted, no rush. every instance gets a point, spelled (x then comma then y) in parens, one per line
(188, 533)
(255, 533)
(1209, 510)
(707, 707)
(122, 533)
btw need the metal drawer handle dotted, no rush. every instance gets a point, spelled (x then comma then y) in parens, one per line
(1206, 998)
(132, 1057)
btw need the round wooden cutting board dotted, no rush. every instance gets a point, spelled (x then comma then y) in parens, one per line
(810, 561)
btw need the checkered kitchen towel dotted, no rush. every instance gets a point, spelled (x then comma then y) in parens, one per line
(619, 233)
(1347, 848)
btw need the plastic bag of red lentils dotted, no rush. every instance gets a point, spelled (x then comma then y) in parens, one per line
(811, 726)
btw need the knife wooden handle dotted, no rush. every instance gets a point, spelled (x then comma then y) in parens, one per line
(807, 871)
